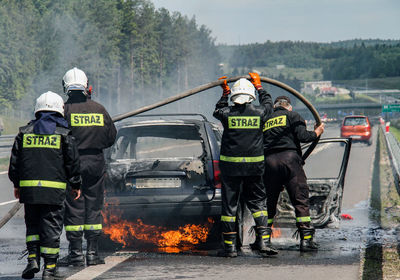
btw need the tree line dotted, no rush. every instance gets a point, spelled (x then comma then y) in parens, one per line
(132, 53)
(346, 60)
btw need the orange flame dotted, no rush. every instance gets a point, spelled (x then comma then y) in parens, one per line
(126, 232)
(276, 232)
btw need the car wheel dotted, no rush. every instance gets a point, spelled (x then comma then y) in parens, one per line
(369, 142)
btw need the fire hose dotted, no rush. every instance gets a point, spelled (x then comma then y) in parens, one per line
(188, 93)
(229, 80)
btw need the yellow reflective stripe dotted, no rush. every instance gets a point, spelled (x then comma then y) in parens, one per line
(50, 265)
(41, 141)
(303, 219)
(93, 119)
(275, 122)
(74, 228)
(31, 256)
(30, 238)
(43, 183)
(270, 221)
(93, 227)
(228, 242)
(229, 219)
(307, 237)
(240, 122)
(260, 214)
(265, 236)
(241, 159)
(50, 251)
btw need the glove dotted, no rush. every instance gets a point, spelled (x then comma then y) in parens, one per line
(255, 80)
(225, 87)
(90, 90)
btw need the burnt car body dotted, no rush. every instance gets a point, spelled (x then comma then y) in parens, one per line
(165, 166)
(325, 169)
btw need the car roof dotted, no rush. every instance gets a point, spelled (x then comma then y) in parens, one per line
(355, 116)
(159, 122)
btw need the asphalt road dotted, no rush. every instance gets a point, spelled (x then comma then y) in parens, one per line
(339, 257)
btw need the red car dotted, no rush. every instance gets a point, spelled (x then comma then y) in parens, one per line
(358, 128)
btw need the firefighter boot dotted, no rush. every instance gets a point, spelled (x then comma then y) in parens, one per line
(50, 270)
(306, 240)
(75, 254)
(92, 252)
(263, 241)
(230, 250)
(33, 265)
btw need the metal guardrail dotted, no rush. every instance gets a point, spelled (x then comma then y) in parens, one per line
(6, 141)
(394, 154)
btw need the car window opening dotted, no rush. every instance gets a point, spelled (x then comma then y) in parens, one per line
(158, 142)
(355, 121)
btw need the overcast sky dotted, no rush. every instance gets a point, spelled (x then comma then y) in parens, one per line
(250, 21)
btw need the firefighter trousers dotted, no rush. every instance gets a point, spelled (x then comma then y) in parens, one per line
(43, 227)
(84, 214)
(252, 190)
(284, 169)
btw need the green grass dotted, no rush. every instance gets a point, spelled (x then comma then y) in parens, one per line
(343, 98)
(396, 132)
(374, 83)
(303, 74)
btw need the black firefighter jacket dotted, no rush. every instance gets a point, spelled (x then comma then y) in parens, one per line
(285, 130)
(90, 123)
(242, 140)
(41, 165)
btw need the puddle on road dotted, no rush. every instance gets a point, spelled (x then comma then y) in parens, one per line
(343, 244)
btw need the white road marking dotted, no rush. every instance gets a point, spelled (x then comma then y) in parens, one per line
(8, 202)
(92, 272)
(3, 172)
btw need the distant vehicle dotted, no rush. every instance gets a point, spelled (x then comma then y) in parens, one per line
(165, 166)
(324, 117)
(358, 128)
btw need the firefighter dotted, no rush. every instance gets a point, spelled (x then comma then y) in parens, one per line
(283, 133)
(44, 159)
(242, 158)
(93, 129)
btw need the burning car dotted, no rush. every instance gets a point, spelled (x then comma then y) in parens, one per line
(165, 167)
(163, 171)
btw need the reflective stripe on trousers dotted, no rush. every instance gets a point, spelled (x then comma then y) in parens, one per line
(229, 219)
(303, 219)
(49, 251)
(31, 238)
(83, 227)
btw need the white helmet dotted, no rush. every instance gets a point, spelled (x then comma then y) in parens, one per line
(50, 101)
(75, 79)
(242, 91)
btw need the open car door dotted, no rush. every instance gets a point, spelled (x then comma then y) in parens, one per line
(325, 169)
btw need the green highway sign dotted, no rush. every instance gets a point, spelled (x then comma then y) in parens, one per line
(391, 108)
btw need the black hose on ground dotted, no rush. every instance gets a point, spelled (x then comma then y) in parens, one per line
(10, 213)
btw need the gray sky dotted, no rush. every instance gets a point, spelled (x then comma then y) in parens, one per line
(250, 21)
